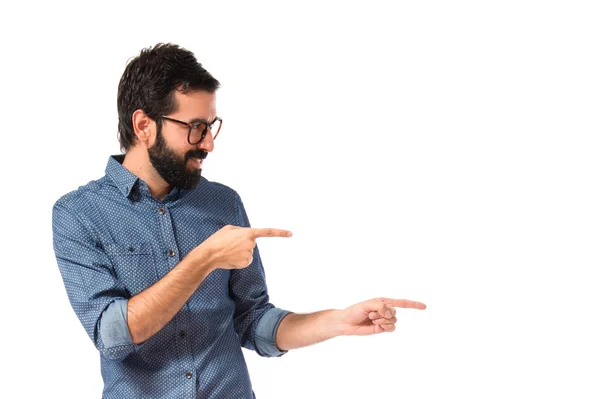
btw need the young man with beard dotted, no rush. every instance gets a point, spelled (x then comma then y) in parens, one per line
(161, 265)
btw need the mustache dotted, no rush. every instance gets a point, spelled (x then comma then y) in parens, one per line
(200, 154)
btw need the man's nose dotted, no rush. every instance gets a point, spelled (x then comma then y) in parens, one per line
(207, 143)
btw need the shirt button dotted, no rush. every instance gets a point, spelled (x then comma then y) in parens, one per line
(188, 375)
(171, 252)
(182, 334)
(161, 211)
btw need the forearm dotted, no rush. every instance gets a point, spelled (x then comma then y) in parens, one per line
(299, 330)
(150, 310)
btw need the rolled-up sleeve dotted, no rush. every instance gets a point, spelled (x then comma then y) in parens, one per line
(97, 297)
(256, 320)
(266, 332)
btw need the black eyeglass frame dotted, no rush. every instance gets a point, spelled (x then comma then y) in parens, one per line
(194, 125)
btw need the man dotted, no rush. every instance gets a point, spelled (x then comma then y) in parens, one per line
(161, 265)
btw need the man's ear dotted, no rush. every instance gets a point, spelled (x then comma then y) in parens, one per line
(143, 127)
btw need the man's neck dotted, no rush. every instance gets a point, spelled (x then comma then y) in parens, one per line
(138, 163)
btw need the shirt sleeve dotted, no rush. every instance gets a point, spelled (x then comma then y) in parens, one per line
(256, 320)
(98, 299)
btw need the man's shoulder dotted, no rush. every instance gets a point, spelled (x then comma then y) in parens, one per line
(79, 196)
(216, 188)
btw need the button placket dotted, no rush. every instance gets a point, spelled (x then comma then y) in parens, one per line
(170, 258)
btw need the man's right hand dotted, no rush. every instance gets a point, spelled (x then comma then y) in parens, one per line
(231, 247)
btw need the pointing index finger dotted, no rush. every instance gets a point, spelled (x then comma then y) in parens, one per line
(257, 233)
(405, 303)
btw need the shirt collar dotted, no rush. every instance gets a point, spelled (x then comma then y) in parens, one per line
(127, 181)
(120, 176)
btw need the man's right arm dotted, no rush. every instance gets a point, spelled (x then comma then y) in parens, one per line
(229, 248)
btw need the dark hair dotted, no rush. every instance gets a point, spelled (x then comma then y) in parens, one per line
(150, 80)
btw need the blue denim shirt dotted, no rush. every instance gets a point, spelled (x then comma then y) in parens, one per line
(112, 240)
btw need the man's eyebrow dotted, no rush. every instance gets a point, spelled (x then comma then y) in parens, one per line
(198, 120)
(204, 120)
(195, 120)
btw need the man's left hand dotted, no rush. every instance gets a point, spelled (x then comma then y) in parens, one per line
(374, 316)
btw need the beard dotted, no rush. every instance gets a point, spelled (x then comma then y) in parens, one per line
(171, 166)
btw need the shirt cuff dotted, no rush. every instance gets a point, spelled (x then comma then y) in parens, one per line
(266, 332)
(114, 333)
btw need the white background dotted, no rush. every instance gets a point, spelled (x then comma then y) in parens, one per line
(441, 151)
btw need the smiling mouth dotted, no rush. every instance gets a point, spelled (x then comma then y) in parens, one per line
(197, 162)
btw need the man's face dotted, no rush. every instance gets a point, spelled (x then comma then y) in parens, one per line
(177, 161)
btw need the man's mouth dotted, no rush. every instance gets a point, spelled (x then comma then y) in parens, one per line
(197, 162)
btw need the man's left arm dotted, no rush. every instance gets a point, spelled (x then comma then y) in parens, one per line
(365, 318)
(271, 331)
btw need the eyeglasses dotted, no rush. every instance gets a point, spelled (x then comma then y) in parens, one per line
(198, 128)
